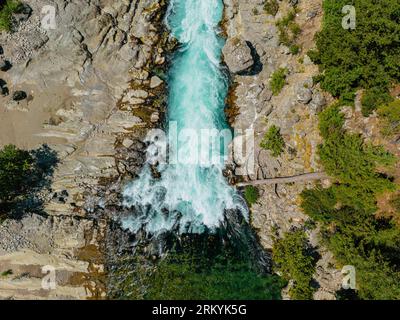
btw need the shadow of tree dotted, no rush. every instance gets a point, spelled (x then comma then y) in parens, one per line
(36, 185)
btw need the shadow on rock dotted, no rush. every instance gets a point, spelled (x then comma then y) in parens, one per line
(257, 67)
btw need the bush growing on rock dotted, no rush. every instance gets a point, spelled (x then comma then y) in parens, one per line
(273, 141)
(271, 7)
(374, 98)
(294, 49)
(278, 81)
(251, 194)
(288, 29)
(390, 118)
(15, 166)
(23, 177)
(6, 11)
(7, 273)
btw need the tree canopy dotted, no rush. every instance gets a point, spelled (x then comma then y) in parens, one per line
(366, 57)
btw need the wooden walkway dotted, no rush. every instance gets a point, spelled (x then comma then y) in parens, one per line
(298, 178)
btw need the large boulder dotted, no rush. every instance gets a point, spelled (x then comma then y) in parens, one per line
(304, 95)
(237, 55)
(317, 103)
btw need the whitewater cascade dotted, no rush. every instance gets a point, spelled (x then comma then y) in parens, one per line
(192, 193)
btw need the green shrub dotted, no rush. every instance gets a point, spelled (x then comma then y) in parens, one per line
(278, 81)
(331, 122)
(293, 259)
(15, 166)
(366, 57)
(314, 55)
(7, 273)
(374, 98)
(395, 202)
(251, 194)
(390, 118)
(6, 11)
(288, 29)
(273, 141)
(376, 279)
(288, 19)
(271, 7)
(294, 49)
(295, 29)
(254, 11)
(318, 203)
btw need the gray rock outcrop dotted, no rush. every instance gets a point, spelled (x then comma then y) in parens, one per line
(317, 103)
(237, 55)
(304, 95)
